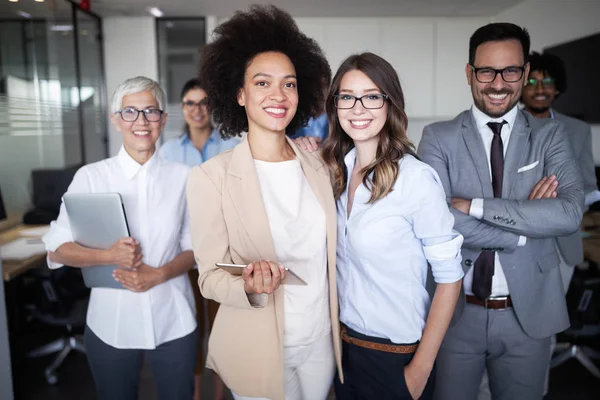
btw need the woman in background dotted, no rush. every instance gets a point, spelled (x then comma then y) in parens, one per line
(199, 142)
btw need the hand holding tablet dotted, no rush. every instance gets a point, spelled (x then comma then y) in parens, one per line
(289, 276)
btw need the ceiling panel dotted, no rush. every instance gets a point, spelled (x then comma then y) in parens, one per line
(304, 8)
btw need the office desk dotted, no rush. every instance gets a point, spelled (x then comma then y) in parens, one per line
(14, 268)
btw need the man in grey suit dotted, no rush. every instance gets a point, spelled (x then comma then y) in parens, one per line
(514, 186)
(547, 81)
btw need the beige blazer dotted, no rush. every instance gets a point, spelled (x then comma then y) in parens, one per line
(229, 224)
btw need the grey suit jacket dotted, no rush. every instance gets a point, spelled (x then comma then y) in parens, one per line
(580, 136)
(537, 148)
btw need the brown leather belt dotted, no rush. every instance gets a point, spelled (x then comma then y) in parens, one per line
(389, 348)
(494, 303)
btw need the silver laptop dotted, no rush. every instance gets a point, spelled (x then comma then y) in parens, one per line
(97, 221)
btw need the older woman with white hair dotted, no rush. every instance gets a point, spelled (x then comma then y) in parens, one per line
(154, 316)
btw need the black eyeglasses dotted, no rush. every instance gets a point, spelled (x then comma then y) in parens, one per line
(369, 101)
(546, 82)
(191, 105)
(130, 114)
(508, 74)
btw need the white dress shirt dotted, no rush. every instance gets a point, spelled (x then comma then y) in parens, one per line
(499, 285)
(155, 204)
(383, 250)
(297, 223)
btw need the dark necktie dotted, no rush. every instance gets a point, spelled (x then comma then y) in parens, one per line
(484, 265)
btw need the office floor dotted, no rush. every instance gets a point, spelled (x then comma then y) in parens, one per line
(569, 381)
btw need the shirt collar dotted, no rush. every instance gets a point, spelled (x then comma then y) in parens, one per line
(214, 135)
(552, 114)
(350, 158)
(130, 166)
(481, 119)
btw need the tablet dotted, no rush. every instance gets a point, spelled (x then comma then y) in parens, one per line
(97, 221)
(236, 269)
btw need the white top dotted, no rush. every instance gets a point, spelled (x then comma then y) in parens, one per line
(297, 223)
(499, 285)
(156, 207)
(383, 250)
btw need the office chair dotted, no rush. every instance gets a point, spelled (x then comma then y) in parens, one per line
(61, 302)
(583, 301)
(3, 214)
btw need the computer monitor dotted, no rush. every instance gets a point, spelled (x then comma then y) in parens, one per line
(2, 208)
(49, 185)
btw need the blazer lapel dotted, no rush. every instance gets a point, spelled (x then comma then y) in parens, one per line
(517, 147)
(477, 151)
(317, 175)
(247, 199)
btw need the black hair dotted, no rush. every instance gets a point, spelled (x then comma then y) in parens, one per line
(236, 42)
(193, 83)
(552, 66)
(498, 32)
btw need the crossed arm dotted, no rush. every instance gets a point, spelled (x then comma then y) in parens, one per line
(553, 208)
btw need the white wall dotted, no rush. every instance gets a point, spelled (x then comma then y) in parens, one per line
(429, 55)
(552, 22)
(122, 60)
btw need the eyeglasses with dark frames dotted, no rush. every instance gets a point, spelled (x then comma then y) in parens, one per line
(368, 101)
(546, 82)
(190, 105)
(130, 114)
(509, 74)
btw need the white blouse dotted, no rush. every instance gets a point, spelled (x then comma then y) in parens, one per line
(155, 204)
(384, 248)
(297, 223)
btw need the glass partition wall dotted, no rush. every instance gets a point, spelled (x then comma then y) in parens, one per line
(52, 100)
(180, 41)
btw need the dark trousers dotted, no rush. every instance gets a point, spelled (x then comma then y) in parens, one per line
(375, 375)
(116, 372)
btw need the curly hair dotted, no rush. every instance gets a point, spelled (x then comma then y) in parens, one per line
(241, 38)
(552, 66)
(379, 176)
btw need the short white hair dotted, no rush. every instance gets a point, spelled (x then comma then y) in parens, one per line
(137, 85)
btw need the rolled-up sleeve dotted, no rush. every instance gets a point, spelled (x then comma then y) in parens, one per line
(433, 225)
(60, 230)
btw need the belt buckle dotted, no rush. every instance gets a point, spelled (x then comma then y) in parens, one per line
(505, 298)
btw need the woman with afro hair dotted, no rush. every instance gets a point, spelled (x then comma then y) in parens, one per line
(267, 206)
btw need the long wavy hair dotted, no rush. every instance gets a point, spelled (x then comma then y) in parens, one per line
(379, 176)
